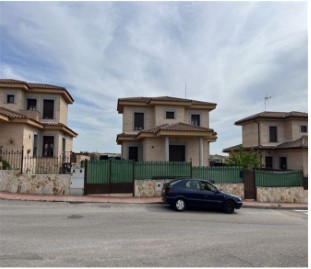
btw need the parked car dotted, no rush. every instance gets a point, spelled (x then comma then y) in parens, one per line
(187, 192)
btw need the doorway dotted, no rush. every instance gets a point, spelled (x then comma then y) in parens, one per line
(269, 162)
(283, 163)
(177, 153)
(133, 153)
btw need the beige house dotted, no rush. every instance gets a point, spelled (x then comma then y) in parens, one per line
(34, 116)
(165, 129)
(281, 138)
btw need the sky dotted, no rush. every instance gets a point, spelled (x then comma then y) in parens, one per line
(231, 53)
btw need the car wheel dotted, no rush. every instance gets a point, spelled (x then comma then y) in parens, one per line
(180, 205)
(229, 206)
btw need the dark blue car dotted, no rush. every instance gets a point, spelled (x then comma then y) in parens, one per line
(187, 192)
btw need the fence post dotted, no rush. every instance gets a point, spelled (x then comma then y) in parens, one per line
(22, 160)
(85, 176)
(110, 174)
(190, 167)
(133, 179)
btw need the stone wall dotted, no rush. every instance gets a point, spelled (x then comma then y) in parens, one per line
(282, 194)
(53, 184)
(153, 188)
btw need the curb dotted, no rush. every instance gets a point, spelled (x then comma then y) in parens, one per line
(275, 207)
(117, 200)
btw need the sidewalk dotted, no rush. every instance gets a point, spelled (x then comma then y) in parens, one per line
(100, 198)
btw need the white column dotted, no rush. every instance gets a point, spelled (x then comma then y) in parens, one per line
(201, 157)
(167, 149)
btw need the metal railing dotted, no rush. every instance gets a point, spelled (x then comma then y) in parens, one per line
(278, 178)
(17, 160)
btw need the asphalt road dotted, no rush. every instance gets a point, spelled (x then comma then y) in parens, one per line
(47, 234)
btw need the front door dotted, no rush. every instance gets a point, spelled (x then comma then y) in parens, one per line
(177, 153)
(283, 163)
(269, 162)
(133, 153)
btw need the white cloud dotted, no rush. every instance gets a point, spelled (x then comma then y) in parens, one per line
(231, 53)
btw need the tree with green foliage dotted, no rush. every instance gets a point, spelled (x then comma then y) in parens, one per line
(248, 159)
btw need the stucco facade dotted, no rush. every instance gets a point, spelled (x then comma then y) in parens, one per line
(281, 138)
(165, 129)
(33, 116)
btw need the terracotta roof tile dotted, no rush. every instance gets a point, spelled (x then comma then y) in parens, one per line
(11, 114)
(185, 127)
(15, 115)
(302, 142)
(274, 115)
(299, 143)
(178, 127)
(162, 98)
(31, 85)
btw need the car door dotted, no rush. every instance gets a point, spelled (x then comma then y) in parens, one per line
(193, 193)
(212, 197)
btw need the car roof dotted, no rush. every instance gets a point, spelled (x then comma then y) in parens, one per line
(187, 178)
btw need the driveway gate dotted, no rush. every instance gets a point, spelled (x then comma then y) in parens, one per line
(109, 176)
(250, 191)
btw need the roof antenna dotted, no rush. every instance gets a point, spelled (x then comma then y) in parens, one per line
(266, 99)
(185, 90)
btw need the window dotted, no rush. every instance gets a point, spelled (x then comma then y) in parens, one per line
(10, 98)
(48, 109)
(138, 121)
(273, 134)
(170, 115)
(48, 146)
(193, 185)
(195, 120)
(303, 128)
(207, 186)
(31, 104)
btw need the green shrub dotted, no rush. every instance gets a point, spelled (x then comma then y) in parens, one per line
(6, 165)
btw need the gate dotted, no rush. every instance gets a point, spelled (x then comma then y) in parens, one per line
(109, 176)
(249, 184)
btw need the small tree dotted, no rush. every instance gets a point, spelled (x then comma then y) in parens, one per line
(246, 159)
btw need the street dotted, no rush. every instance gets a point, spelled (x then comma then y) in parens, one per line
(47, 234)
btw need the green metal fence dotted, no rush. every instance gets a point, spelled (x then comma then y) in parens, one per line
(121, 171)
(278, 178)
(222, 174)
(163, 170)
(98, 172)
(109, 171)
(117, 171)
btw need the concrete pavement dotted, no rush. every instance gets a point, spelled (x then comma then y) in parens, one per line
(124, 198)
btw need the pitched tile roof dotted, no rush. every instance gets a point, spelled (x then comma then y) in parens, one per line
(274, 115)
(15, 115)
(30, 85)
(164, 99)
(11, 114)
(176, 127)
(299, 143)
